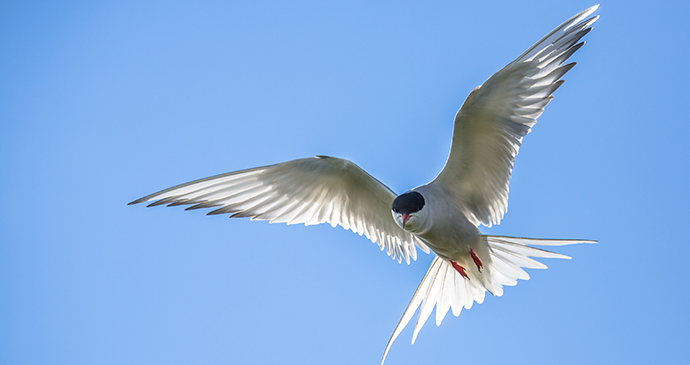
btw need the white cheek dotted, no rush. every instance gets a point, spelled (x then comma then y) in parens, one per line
(398, 219)
(416, 223)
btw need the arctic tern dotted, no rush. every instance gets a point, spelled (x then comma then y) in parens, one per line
(441, 216)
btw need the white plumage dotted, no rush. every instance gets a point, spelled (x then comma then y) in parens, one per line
(443, 215)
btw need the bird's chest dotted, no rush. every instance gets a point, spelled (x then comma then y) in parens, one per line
(451, 235)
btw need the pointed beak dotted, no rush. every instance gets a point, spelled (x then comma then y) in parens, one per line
(405, 217)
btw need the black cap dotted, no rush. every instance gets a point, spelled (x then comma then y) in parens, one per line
(409, 202)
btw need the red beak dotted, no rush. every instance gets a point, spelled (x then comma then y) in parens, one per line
(406, 217)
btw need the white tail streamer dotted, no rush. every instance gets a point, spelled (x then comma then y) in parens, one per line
(444, 288)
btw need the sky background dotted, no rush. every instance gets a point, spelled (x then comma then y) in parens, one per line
(104, 102)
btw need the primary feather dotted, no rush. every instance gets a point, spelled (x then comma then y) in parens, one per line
(310, 191)
(490, 125)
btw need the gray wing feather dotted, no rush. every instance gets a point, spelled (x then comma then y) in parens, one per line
(309, 191)
(494, 118)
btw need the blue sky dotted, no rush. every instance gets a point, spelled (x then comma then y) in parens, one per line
(105, 102)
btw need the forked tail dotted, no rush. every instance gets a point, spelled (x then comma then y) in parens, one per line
(445, 288)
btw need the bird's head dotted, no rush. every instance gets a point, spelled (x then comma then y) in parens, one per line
(408, 211)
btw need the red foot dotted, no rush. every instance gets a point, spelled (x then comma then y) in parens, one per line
(476, 260)
(459, 269)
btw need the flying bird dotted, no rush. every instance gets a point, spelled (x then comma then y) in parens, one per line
(443, 215)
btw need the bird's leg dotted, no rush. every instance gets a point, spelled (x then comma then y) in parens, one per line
(459, 269)
(476, 260)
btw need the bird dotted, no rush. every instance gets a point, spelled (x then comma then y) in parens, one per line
(441, 216)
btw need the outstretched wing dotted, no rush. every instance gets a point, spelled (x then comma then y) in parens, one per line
(494, 118)
(311, 191)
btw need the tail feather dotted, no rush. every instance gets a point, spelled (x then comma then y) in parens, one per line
(444, 288)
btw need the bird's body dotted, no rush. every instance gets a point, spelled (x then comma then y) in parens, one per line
(443, 215)
(442, 225)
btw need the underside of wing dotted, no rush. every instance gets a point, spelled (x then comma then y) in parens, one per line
(309, 191)
(494, 118)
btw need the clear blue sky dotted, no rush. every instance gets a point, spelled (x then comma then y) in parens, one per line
(105, 102)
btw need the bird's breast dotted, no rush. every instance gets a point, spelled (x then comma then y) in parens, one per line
(449, 233)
